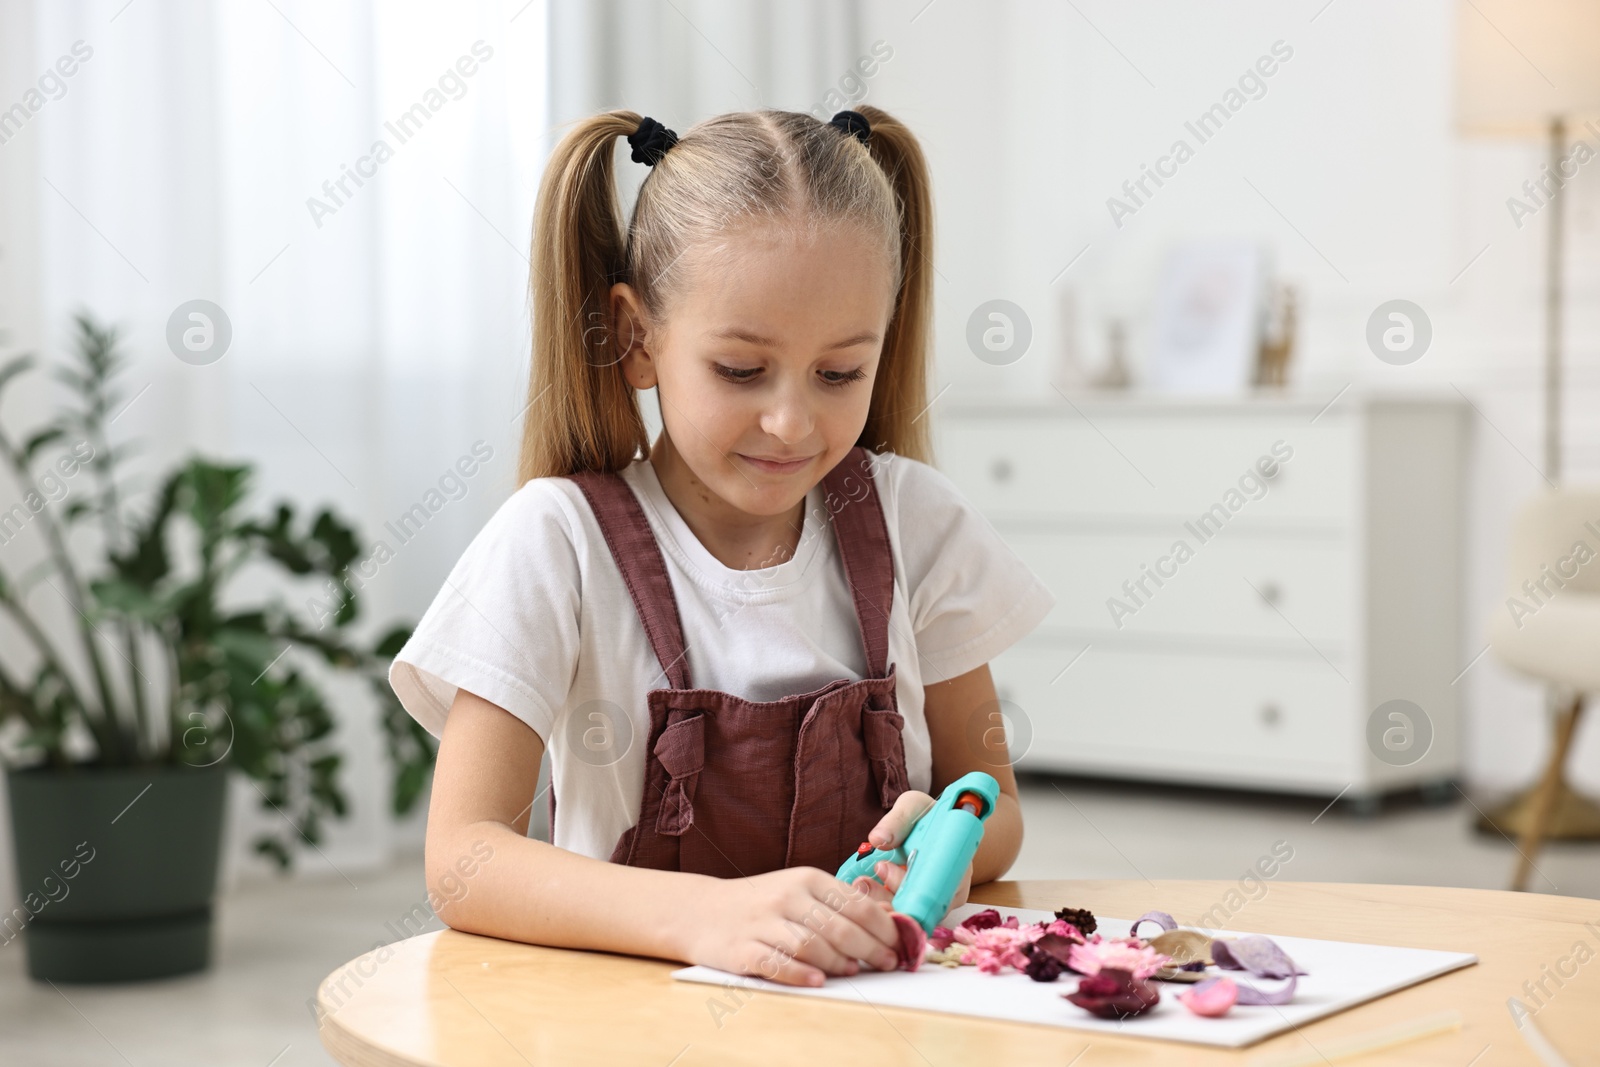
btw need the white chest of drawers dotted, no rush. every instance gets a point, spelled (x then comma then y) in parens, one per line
(1256, 654)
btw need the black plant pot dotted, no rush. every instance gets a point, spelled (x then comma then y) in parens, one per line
(117, 869)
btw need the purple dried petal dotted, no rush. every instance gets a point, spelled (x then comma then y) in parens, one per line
(1249, 994)
(1262, 957)
(1259, 955)
(1160, 918)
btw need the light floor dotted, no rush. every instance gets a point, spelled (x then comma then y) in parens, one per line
(277, 939)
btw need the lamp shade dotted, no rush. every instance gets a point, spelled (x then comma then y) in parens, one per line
(1520, 63)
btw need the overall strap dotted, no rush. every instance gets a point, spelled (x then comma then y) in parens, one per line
(863, 537)
(851, 495)
(643, 568)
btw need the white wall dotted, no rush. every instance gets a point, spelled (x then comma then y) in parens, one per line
(1033, 113)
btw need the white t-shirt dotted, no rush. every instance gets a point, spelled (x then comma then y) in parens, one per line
(535, 617)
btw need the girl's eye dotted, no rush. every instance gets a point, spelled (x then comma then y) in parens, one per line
(845, 378)
(735, 375)
(739, 376)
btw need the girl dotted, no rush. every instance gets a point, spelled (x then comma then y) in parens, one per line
(763, 637)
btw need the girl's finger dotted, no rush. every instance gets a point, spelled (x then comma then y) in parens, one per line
(891, 874)
(893, 827)
(872, 889)
(816, 947)
(776, 965)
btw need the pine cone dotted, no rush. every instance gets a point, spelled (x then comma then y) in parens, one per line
(1082, 918)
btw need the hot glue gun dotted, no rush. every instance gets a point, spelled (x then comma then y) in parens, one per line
(937, 852)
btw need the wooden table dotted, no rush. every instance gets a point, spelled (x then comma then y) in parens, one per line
(450, 998)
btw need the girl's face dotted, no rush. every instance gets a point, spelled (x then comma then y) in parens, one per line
(770, 354)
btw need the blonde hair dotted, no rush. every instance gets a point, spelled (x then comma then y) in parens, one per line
(760, 166)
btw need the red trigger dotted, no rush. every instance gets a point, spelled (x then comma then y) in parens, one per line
(866, 847)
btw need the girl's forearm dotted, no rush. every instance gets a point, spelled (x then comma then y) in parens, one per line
(486, 878)
(1002, 840)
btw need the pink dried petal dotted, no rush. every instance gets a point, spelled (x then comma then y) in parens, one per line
(941, 937)
(994, 949)
(1132, 955)
(1210, 998)
(982, 920)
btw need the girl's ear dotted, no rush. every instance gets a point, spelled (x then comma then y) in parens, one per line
(631, 337)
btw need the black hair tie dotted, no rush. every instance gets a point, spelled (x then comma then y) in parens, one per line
(651, 141)
(852, 122)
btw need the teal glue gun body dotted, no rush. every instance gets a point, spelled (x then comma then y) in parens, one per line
(937, 852)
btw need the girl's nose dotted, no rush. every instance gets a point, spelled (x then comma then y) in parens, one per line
(789, 417)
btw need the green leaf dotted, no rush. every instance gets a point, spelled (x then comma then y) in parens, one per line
(250, 649)
(14, 367)
(146, 563)
(43, 439)
(390, 644)
(116, 596)
(215, 490)
(273, 848)
(337, 540)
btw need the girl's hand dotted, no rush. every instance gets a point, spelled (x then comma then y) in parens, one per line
(791, 926)
(892, 831)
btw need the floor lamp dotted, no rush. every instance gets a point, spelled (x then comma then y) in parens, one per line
(1531, 69)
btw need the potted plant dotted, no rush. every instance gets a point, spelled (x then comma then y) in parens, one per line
(121, 725)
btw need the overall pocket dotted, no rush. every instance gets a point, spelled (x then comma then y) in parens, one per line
(681, 750)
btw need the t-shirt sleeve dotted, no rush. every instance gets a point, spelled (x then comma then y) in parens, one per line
(971, 597)
(505, 624)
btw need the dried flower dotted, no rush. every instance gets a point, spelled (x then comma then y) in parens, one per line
(1042, 966)
(996, 948)
(1131, 955)
(1114, 994)
(983, 920)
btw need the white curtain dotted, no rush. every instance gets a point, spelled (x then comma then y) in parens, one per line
(230, 151)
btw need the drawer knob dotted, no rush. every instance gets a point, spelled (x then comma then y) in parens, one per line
(1000, 470)
(1270, 715)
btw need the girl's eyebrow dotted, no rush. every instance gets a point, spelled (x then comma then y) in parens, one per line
(736, 333)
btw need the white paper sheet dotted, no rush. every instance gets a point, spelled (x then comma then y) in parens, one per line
(1341, 975)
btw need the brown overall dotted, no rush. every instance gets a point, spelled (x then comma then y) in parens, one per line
(734, 787)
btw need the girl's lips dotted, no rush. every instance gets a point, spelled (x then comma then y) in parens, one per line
(775, 468)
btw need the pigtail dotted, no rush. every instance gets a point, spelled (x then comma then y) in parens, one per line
(897, 419)
(581, 414)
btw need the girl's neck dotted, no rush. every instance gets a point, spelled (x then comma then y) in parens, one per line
(736, 538)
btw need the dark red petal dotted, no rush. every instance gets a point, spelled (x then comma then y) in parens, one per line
(913, 941)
